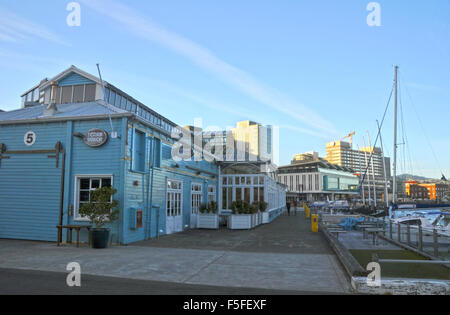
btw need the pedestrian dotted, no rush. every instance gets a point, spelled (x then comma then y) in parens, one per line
(288, 206)
(295, 206)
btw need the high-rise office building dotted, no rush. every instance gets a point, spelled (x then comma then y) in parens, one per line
(255, 139)
(370, 168)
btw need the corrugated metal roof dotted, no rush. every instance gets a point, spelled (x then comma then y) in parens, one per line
(64, 111)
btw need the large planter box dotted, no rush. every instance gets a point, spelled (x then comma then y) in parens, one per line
(265, 217)
(240, 221)
(208, 221)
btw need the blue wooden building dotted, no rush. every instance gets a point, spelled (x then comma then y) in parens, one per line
(51, 157)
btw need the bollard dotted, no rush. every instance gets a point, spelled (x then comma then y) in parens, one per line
(390, 229)
(408, 234)
(420, 238)
(399, 228)
(435, 243)
(315, 223)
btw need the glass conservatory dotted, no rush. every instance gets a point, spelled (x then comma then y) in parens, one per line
(251, 188)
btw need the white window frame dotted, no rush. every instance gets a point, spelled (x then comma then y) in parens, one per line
(196, 192)
(174, 191)
(212, 194)
(76, 215)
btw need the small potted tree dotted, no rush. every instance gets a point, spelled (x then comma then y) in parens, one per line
(100, 210)
(253, 210)
(258, 212)
(208, 217)
(264, 214)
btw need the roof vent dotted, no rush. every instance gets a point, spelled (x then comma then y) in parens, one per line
(51, 110)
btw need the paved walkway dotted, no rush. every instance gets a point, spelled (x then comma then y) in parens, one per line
(281, 256)
(288, 234)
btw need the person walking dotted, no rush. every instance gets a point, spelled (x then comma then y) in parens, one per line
(288, 206)
(295, 206)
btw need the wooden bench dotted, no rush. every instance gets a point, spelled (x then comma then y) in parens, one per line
(375, 232)
(337, 232)
(364, 227)
(77, 228)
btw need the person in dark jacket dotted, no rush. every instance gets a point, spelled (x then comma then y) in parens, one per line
(288, 206)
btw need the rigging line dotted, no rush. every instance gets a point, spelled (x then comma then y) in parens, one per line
(408, 158)
(402, 123)
(424, 131)
(379, 131)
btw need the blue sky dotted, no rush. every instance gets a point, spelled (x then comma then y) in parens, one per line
(314, 68)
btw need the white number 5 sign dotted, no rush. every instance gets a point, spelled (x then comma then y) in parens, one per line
(30, 138)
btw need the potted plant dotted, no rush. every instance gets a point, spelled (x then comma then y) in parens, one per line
(208, 217)
(100, 210)
(264, 214)
(253, 210)
(241, 218)
(258, 212)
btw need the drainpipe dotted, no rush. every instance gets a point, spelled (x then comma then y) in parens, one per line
(51, 109)
(150, 187)
(61, 199)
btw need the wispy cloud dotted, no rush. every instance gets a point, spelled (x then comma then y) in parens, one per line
(201, 56)
(14, 28)
(213, 104)
(424, 87)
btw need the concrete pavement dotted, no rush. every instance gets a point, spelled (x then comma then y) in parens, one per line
(30, 282)
(284, 256)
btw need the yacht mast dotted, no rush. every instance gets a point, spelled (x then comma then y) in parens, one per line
(394, 185)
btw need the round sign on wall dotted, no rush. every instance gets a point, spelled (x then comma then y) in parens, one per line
(96, 137)
(30, 138)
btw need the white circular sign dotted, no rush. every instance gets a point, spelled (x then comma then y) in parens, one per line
(30, 138)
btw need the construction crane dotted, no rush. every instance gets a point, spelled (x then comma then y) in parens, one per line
(350, 136)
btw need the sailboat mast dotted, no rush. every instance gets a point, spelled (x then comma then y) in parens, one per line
(394, 184)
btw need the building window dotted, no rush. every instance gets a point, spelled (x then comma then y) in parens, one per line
(118, 100)
(78, 93)
(139, 151)
(89, 95)
(211, 193)
(66, 97)
(196, 197)
(174, 198)
(84, 185)
(112, 98)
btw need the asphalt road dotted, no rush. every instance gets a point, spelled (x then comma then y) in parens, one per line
(30, 282)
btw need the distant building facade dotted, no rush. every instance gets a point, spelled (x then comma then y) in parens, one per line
(249, 141)
(312, 178)
(435, 191)
(418, 192)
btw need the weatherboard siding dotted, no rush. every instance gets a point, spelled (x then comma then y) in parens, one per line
(74, 79)
(30, 183)
(104, 160)
(137, 197)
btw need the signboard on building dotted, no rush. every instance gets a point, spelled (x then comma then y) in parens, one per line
(96, 138)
